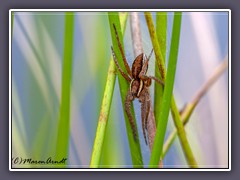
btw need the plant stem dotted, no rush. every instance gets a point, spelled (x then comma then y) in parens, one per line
(138, 49)
(136, 34)
(135, 149)
(105, 110)
(103, 117)
(182, 137)
(161, 31)
(64, 119)
(189, 108)
(156, 47)
(167, 96)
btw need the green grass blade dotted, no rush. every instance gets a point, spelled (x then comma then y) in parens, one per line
(64, 119)
(112, 150)
(112, 157)
(103, 117)
(135, 149)
(161, 65)
(156, 46)
(161, 30)
(167, 95)
(183, 138)
(105, 110)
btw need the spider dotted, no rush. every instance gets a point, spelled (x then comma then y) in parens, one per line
(139, 86)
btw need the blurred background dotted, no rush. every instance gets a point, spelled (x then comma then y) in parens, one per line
(37, 56)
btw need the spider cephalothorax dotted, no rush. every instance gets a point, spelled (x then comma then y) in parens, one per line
(139, 85)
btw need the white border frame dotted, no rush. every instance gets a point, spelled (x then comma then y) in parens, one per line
(127, 10)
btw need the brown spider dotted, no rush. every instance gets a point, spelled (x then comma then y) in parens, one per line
(139, 85)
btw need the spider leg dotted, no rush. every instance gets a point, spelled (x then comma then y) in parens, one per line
(121, 50)
(145, 105)
(143, 114)
(147, 101)
(128, 100)
(150, 54)
(121, 71)
(156, 79)
(148, 79)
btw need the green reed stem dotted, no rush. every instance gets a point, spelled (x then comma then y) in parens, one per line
(65, 106)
